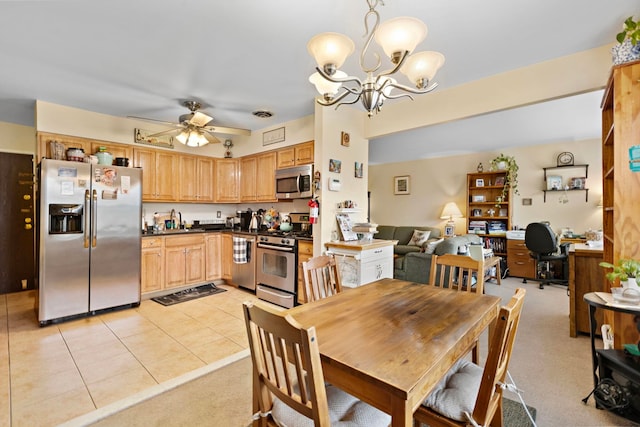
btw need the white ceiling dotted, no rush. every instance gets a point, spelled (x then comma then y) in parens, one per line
(142, 58)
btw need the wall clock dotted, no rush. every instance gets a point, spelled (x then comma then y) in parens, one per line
(565, 159)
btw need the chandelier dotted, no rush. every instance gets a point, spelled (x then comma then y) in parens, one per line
(398, 38)
(191, 136)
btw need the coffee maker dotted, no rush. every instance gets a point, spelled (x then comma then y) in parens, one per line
(243, 220)
(301, 224)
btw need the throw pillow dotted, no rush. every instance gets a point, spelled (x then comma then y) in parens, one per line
(432, 244)
(419, 237)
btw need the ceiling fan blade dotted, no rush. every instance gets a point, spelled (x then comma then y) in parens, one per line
(211, 138)
(155, 121)
(227, 131)
(200, 119)
(164, 132)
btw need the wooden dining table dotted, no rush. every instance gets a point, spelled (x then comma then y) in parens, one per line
(390, 342)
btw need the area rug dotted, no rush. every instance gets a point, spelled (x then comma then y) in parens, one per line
(189, 294)
(214, 395)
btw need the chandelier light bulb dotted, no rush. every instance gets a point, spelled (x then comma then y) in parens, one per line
(400, 34)
(330, 50)
(421, 67)
(326, 87)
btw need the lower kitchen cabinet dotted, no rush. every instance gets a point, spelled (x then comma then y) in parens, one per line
(184, 260)
(227, 256)
(519, 261)
(152, 264)
(305, 252)
(213, 265)
(585, 275)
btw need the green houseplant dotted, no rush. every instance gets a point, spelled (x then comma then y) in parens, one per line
(624, 270)
(628, 48)
(510, 166)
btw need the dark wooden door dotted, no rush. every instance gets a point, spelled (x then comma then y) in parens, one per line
(17, 213)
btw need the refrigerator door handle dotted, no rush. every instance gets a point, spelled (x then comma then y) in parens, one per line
(94, 216)
(87, 200)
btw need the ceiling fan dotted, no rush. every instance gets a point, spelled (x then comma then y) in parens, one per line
(194, 129)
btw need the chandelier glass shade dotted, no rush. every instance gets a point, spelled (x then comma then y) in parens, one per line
(192, 137)
(398, 38)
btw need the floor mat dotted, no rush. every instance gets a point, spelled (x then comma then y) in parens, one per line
(189, 294)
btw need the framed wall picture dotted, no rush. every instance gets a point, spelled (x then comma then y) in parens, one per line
(479, 182)
(359, 169)
(477, 198)
(554, 182)
(335, 165)
(344, 139)
(402, 184)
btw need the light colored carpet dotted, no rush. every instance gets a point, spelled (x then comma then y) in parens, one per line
(552, 369)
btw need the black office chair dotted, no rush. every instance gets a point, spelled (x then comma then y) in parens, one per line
(543, 247)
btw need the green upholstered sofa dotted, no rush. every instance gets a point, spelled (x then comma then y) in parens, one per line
(413, 263)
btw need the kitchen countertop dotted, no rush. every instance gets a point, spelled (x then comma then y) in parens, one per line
(224, 230)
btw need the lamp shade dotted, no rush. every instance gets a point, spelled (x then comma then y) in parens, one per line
(399, 34)
(330, 48)
(192, 138)
(450, 211)
(421, 67)
(324, 86)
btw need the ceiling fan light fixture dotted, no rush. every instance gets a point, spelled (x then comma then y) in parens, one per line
(192, 138)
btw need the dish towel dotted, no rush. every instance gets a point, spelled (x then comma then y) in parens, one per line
(239, 250)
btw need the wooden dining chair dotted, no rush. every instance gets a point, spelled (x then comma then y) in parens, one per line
(469, 394)
(321, 278)
(288, 380)
(457, 272)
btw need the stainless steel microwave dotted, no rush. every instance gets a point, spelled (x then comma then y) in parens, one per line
(294, 183)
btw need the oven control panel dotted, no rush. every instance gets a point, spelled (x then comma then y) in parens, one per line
(277, 240)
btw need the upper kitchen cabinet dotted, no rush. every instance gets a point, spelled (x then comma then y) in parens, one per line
(116, 150)
(300, 154)
(257, 178)
(45, 140)
(227, 189)
(195, 179)
(158, 183)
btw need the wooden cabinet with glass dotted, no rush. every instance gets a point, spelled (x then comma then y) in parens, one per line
(489, 209)
(620, 185)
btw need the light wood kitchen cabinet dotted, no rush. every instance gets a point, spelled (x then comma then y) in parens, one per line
(44, 149)
(160, 169)
(213, 264)
(195, 182)
(305, 253)
(585, 275)
(226, 180)
(519, 261)
(248, 174)
(184, 260)
(295, 155)
(152, 264)
(266, 177)
(227, 256)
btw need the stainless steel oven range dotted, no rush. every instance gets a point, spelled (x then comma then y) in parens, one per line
(277, 260)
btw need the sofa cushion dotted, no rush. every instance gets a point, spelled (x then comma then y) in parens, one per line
(405, 249)
(432, 244)
(419, 237)
(385, 232)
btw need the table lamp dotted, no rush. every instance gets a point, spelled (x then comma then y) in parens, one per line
(449, 212)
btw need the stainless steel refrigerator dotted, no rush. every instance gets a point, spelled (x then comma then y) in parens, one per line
(89, 238)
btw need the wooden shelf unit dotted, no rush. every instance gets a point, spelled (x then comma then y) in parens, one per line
(620, 186)
(489, 209)
(586, 175)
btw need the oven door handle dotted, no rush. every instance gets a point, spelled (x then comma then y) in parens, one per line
(277, 248)
(279, 295)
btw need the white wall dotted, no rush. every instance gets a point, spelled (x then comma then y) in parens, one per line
(435, 182)
(17, 138)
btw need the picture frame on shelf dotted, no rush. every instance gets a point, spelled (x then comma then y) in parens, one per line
(478, 198)
(554, 182)
(499, 181)
(503, 212)
(476, 212)
(402, 184)
(577, 183)
(448, 231)
(479, 182)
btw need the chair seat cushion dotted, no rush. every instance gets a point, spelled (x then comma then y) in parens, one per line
(456, 393)
(344, 410)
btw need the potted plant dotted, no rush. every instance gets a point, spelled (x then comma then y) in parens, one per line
(626, 270)
(628, 48)
(510, 166)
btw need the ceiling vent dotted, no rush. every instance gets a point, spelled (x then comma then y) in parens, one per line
(263, 114)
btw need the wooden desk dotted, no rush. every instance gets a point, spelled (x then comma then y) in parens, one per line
(585, 275)
(391, 341)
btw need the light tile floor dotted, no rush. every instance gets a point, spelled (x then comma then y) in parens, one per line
(55, 373)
